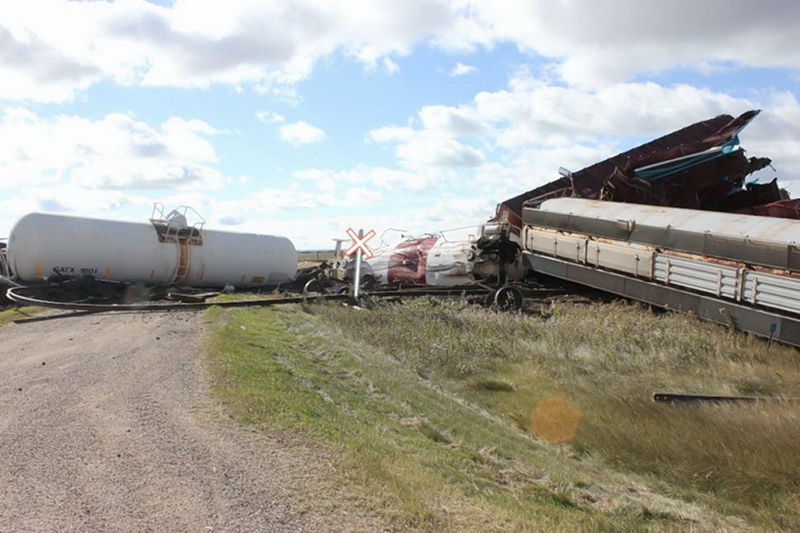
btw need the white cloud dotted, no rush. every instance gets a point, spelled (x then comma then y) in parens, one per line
(535, 112)
(68, 198)
(310, 219)
(439, 151)
(301, 132)
(269, 117)
(195, 43)
(437, 143)
(455, 121)
(509, 141)
(462, 70)
(273, 45)
(372, 178)
(114, 152)
(774, 134)
(390, 133)
(607, 42)
(419, 149)
(390, 65)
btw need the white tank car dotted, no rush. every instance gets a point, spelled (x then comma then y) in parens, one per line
(435, 261)
(162, 252)
(427, 261)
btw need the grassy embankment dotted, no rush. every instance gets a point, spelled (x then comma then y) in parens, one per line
(454, 417)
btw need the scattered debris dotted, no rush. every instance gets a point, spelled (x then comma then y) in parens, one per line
(681, 398)
(700, 166)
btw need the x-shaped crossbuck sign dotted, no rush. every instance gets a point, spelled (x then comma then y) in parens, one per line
(360, 243)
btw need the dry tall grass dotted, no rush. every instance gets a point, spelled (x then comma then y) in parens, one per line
(598, 366)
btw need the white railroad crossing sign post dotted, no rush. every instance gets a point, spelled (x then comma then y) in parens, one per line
(361, 249)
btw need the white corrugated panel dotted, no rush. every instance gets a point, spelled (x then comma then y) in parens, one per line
(702, 276)
(537, 240)
(571, 247)
(564, 245)
(770, 290)
(630, 258)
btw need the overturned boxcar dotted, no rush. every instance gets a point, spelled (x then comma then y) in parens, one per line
(735, 269)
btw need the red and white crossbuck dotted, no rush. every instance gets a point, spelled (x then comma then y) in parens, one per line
(360, 243)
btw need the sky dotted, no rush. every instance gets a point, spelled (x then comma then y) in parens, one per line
(302, 118)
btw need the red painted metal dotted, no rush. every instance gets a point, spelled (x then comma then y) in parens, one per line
(409, 261)
(716, 184)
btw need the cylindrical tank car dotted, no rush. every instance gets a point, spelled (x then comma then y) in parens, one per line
(162, 252)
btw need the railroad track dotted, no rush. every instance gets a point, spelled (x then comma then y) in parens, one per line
(507, 298)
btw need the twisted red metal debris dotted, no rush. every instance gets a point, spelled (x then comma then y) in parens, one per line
(700, 166)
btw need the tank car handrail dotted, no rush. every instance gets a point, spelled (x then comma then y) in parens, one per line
(158, 209)
(201, 222)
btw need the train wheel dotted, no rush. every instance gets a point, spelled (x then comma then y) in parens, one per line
(508, 299)
(313, 286)
(368, 282)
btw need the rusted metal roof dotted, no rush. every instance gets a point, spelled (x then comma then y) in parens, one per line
(699, 166)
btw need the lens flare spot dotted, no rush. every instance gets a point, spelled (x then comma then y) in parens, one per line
(556, 419)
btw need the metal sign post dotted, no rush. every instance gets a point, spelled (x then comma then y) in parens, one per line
(357, 277)
(361, 250)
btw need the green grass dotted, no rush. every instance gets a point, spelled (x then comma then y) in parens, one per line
(451, 417)
(14, 313)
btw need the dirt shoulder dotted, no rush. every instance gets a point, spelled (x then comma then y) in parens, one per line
(106, 424)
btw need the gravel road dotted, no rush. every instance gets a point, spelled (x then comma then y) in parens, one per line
(106, 424)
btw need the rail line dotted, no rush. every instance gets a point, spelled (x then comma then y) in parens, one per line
(29, 296)
(17, 294)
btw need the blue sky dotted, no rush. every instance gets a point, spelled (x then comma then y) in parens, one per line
(304, 117)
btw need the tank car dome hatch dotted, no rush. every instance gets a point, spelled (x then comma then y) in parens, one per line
(166, 251)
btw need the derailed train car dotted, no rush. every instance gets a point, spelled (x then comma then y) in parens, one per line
(165, 251)
(736, 269)
(490, 256)
(702, 166)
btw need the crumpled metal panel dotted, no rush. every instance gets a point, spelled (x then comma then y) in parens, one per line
(696, 167)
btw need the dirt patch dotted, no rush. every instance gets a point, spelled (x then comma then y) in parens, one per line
(106, 424)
